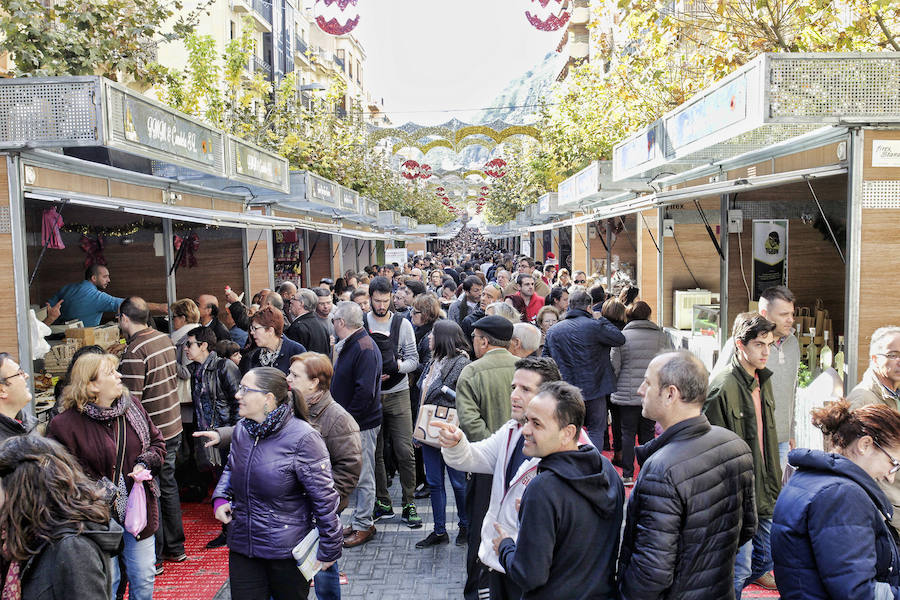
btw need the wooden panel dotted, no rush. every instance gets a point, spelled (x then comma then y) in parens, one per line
(879, 262)
(320, 257)
(9, 336)
(58, 180)
(816, 157)
(336, 270)
(647, 257)
(219, 263)
(581, 246)
(701, 258)
(624, 247)
(259, 264)
(871, 173)
(537, 252)
(118, 189)
(598, 250)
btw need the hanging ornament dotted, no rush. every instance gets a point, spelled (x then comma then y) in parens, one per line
(93, 249)
(485, 190)
(424, 171)
(331, 14)
(495, 168)
(410, 169)
(440, 191)
(553, 21)
(191, 243)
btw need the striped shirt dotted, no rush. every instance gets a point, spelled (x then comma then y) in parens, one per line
(148, 370)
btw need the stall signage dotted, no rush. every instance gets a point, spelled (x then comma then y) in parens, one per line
(770, 246)
(250, 162)
(156, 128)
(566, 192)
(348, 199)
(372, 209)
(322, 190)
(544, 205)
(587, 182)
(395, 255)
(719, 109)
(637, 151)
(886, 153)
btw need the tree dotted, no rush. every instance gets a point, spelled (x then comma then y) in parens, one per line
(530, 173)
(310, 134)
(114, 38)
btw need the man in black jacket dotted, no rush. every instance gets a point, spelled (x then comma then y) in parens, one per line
(678, 542)
(571, 512)
(209, 316)
(305, 327)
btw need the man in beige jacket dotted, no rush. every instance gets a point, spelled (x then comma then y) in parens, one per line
(881, 384)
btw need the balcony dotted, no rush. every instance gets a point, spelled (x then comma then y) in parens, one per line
(339, 62)
(301, 48)
(259, 10)
(259, 65)
(341, 112)
(306, 100)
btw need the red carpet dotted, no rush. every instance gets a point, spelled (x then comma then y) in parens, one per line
(205, 571)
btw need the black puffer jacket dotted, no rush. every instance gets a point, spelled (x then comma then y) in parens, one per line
(691, 508)
(309, 332)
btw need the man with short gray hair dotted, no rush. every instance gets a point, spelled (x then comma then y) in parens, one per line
(287, 290)
(665, 548)
(526, 340)
(880, 384)
(305, 327)
(356, 385)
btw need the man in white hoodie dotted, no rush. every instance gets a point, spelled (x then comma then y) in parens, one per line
(501, 455)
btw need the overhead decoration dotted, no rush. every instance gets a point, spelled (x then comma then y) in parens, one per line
(454, 135)
(409, 169)
(554, 21)
(333, 18)
(94, 250)
(495, 168)
(424, 171)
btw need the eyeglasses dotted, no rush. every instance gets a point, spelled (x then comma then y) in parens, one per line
(890, 355)
(5, 380)
(243, 389)
(416, 312)
(893, 460)
(256, 327)
(580, 281)
(193, 343)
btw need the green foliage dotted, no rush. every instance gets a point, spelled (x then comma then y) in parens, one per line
(309, 133)
(113, 38)
(529, 174)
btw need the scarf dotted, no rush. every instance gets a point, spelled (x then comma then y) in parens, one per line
(12, 588)
(433, 373)
(124, 406)
(272, 420)
(268, 357)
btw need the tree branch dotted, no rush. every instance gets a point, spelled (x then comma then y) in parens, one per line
(892, 40)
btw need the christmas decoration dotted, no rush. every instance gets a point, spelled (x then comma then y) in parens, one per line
(93, 249)
(424, 171)
(553, 22)
(51, 223)
(409, 169)
(495, 168)
(186, 247)
(454, 135)
(336, 9)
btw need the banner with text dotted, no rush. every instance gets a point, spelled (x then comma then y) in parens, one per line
(770, 251)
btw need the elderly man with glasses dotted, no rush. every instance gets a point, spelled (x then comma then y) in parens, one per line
(880, 384)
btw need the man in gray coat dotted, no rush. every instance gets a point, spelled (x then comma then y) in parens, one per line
(777, 305)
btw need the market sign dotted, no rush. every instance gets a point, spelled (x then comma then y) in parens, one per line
(349, 199)
(636, 153)
(320, 189)
(154, 127)
(256, 166)
(886, 153)
(723, 107)
(566, 192)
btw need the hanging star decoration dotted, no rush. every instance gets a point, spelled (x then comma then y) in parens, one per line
(332, 26)
(554, 21)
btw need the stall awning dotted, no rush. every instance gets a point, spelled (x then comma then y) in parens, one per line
(219, 218)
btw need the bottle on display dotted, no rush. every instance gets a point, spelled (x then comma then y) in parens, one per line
(825, 356)
(839, 357)
(812, 353)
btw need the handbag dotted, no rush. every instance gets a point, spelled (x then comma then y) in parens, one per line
(424, 431)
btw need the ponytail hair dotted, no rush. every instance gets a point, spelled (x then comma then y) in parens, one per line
(845, 426)
(273, 381)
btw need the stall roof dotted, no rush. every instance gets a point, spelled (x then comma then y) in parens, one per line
(90, 112)
(773, 98)
(221, 218)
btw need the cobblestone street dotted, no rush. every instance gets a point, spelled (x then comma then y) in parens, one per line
(391, 567)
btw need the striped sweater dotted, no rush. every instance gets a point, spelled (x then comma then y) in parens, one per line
(148, 369)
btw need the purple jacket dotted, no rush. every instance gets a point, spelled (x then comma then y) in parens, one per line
(280, 487)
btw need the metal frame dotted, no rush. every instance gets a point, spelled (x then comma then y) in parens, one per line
(854, 253)
(20, 265)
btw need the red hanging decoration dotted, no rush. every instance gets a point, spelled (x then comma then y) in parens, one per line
(495, 168)
(424, 171)
(485, 190)
(553, 22)
(410, 169)
(191, 246)
(332, 25)
(94, 251)
(51, 223)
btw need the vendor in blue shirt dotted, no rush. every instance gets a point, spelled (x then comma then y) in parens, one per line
(86, 301)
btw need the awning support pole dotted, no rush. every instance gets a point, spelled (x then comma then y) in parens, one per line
(724, 321)
(168, 236)
(827, 222)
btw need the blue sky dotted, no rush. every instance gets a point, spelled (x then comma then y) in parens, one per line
(433, 55)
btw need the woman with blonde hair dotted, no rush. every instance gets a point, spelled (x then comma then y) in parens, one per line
(115, 442)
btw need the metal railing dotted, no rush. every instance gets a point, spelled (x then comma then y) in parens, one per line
(259, 65)
(301, 46)
(341, 112)
(339, 61)
(264, 8)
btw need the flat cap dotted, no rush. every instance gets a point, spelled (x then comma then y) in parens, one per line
(495, 326)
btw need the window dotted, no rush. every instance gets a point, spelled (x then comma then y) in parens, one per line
(233, 30)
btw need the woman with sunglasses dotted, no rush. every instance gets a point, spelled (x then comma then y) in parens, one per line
(276, 487)
(831, 537)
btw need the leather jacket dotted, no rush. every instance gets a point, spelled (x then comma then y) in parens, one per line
(220, 379)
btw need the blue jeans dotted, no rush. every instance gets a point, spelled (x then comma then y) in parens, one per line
(754, 559)
(434, 475)
(783, 449)
(140, 563)
(328, 583)
(595, 414)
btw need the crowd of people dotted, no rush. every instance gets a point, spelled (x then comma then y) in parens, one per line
(504, 375)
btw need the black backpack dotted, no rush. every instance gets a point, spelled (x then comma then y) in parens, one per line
(388, 346)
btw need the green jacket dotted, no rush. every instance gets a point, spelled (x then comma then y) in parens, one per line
(482, 394)
(729, 404)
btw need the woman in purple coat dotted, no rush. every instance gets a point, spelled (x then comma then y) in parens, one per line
(276, 487)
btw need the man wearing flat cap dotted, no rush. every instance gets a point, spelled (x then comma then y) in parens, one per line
(482, 404)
